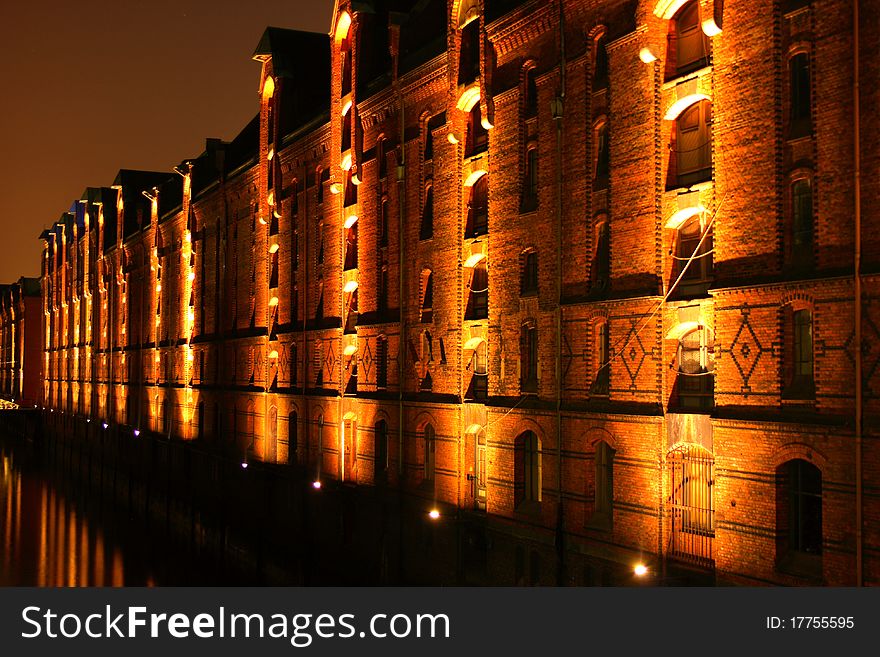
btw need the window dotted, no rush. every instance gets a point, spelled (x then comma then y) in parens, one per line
(799, 354)
(319, 308)
(345, 53)
(469, 55)
(478, 365)
(529, 277)
(350, 196)
(382, 363)
(599, 269)
(527, 469)
(426, 229)
(687, 47)
(478, 208)
(530, 182)
(381, 156)
(429, 445)
(319, 239)
(477, 136)
(383, 223)
(434, 123)
(799, 516)
(690, 160)
(802, 223)
(352, 314)
(602, 379)
(688, 245)
(694, 382)
(530, 106)
(478, 299)
(380, 449)
(600, 63)
(528, 358)
(601, 161)
(603, 498)
(427, 314)
(351, 246)
(321, 180)
(273, 269)
(382, 294)
(346, 131)
(799, 95)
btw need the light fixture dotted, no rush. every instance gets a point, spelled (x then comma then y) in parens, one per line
(646, 55)
(336, 188)
(640, 570)
(350, 221)
(711, 28)
(244, 465)
(434, 514)
(105, 425)
(137, 432)
(452, 138)
(316, 484)
(273, 248)
(273, 302)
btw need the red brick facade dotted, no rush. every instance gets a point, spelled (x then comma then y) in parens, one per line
(634, 344)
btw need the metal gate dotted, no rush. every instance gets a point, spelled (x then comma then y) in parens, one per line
(691, 504)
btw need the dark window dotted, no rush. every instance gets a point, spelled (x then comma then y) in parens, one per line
(529, 281)
(320, 244)
(802, 223)
(382, 300)
(270, 121)
(527, 469)
(694, 248)
(600, 64)
(602, 162)
(531, 100)
(273, 270)
(800, 97)
(346, 131)
(478, 367)
(381, 363)
(469, 57)
(599, 271)
(478, 208)
(382, 157)
(602, 380)
(352, 315)
(380, 432)
(433, 124)
(530, 184)
(383, 223)
(604, 473)
(351, 190)
(687, 46)
(804, 507)
(477, 136)
(346, 66)
(800, 382)
(427, 313)
(320, 191)
(528, 355)
(429, 442)
(690, 159)
(426, 230)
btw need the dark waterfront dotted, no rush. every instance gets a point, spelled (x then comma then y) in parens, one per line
(56, 533)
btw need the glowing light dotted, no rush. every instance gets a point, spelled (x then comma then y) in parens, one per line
(356, 180)
(273, 248)
(474, 177)
(434, 514)
(682, 104)
(187, 236)
(270, 154)
(105, 425)
(452, 138)
(676, 220)
(244, 465)
(158, 289)
(486, 123)
(273, 354)
(469, 97)
(350, 350)
(316, 484)
(473, 259)
(350, 221)
(350, 287)
(190, 356)
(262, 221)
(710, 28)
(647, 56)
(192, 276)
(273, 302)
(345, 165)
(640, 570)
(345, 108)
(191, 315)
(88, 419)
(336, 188)
(137, 432)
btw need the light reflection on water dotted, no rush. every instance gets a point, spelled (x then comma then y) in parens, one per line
(51, 539)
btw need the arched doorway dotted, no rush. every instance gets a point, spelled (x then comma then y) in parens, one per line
(691, 504)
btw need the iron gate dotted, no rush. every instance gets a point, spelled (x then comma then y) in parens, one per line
(691, 503)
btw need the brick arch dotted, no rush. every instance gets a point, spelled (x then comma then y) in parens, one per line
(423, 419)
(595, 435)
(792, 451)
(528, 424)
(596, 32)
(798, 300)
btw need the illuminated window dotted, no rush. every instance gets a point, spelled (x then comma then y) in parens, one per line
(427, 313)
(798, 366)
(799, 517)
(529, 275)
(692, 247)
(603, 497)
(426, 229)
(478, 366)
(800, 103)
(528, 358)
(692, 480)
(527, 469)
(478, 208)
(351, 247)
(690, 160)
(687, 46)
(350, 196)
(802, 223)
(695, 380)
(345, 56)
(477, 139)
(429, 444)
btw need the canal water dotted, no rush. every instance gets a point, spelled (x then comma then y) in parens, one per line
(56, 533)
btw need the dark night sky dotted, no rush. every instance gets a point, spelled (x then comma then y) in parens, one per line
(94, 86)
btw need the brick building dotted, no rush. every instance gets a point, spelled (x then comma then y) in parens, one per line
(20, 346)
(577, 276)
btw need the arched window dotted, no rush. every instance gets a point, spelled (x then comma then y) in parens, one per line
(384, 218)
(799, 517)
(600, 63)
(478, 366)
(696, 368)
(603, 497)
(690, 160)
(601, 257)
(380, 448)
(345, 55)
(798, 366)
(426, 229)
(477, 136)
(687, 46)
(478, 208)
(602, 379)
(478, 295)
(273, 269)
(429, 446)
(527, 469)
(346, 130)
(601, 155)
(469, 55)
(530, 103)
(800, 101)
(530, 180)
(691, 247)
(351, 314)
(427, 290)
(529, 273)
